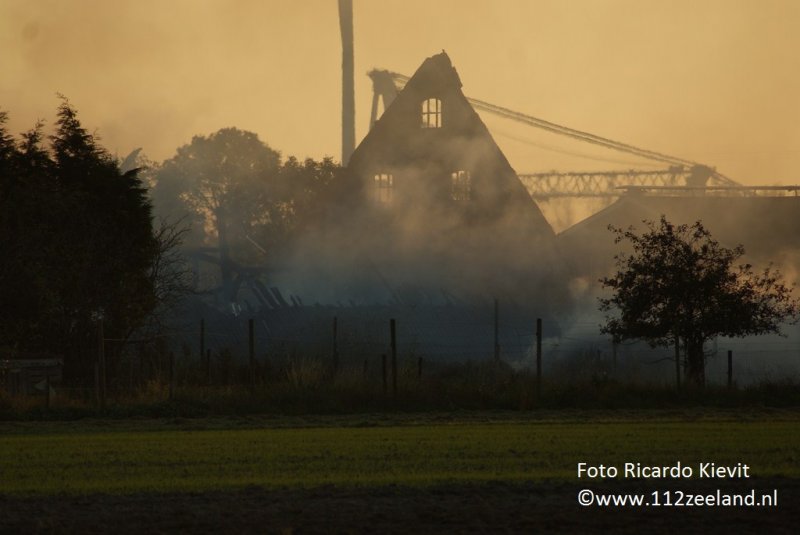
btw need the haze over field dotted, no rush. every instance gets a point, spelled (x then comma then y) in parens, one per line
(713, 81)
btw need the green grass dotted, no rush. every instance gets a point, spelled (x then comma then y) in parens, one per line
(125, 461)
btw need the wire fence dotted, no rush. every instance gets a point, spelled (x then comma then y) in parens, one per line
(224, 349)
(458, 334)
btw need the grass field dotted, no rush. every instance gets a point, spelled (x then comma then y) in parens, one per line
(84, 458)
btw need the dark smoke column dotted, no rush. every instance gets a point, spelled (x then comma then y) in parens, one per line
(348, 90)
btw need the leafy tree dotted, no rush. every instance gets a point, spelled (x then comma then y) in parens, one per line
(305, 191)
(219, 184)
(239, 199)
(679, 285)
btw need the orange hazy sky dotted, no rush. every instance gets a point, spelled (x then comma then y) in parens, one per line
(714, 81)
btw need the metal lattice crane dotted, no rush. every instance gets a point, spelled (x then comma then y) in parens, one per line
(680, 173)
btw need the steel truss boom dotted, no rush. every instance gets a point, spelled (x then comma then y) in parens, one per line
(543, 186)
(576, 184)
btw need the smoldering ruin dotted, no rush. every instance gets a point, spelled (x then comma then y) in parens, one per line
(428, 225)
(431, 226)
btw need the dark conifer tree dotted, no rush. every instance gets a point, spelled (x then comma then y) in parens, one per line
(79, 239)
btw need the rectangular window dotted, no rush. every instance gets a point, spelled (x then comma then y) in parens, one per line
(384, 186)
(432, 113)
(461, 186)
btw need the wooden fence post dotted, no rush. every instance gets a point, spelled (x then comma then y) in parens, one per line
(251, 347)
(171, 375)
(393, 337)
(208, 366)
(202, 338)
(335, 345)
(97, 382)
(100, 374)
(496, 331)
(538, 356)
(383, 363)
(677, 361)
(730, 369)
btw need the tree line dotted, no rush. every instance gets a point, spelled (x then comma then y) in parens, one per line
(81, 242)
(79, 245)
(239, 199)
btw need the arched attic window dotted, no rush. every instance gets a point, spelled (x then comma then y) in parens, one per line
(432, 113)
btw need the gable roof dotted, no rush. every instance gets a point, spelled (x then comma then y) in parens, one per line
(397, 141)
(422, 233)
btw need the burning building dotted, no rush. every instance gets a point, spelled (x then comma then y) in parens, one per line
(430, 206)
(429, 225)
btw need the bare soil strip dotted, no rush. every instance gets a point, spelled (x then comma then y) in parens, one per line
(456, 508)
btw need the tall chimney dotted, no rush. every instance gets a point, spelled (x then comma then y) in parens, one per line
(348, 89)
